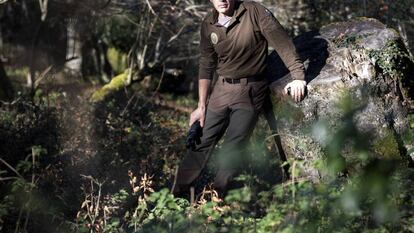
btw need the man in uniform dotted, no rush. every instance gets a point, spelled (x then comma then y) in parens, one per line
(234, 43)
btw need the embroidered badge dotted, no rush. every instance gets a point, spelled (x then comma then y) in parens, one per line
(214, 38)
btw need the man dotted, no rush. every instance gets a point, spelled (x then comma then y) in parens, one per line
(234, 43)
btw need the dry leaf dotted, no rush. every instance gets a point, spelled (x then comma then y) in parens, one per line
(136, 189)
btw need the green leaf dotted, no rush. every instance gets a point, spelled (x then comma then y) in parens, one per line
(38, 151)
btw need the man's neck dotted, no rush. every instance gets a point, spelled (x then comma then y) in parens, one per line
(229, 14)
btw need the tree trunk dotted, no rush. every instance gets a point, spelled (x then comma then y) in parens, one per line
(6, 88)
(73, 49)
(1, 42)
(409, 26)
(31, 77)
(103, 67)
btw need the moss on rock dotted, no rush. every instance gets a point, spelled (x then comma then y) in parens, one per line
(395, 61)
(117, 60)
(348, 41)
(115, 84)
(387, 146)
(391, 58)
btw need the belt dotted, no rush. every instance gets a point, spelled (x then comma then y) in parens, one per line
(250, 79)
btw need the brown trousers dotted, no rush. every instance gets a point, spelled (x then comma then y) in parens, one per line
(232, 110)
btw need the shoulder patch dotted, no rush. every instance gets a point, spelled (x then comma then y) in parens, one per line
(214, 38)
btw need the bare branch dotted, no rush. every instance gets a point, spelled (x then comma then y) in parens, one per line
(174, 37)
(43, 8)
(11, 168)
(42, 76)
(8, 178)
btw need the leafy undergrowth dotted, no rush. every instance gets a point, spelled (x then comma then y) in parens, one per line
(54, 153)
(71, 166)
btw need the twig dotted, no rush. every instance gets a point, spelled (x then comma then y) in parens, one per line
(11, 103)
(158, 87)
(98, 201)
(150, 7)
(130, 20)
(193, 9)
(297, 180)
(73, 57)
(132, 51)
(174, 37)
(8, 178)
(280, 134)
(161, 79)
(16, 230)
(30, 190)
(192, 191)
(42, 76)
(31, 75)
(11, 168)
(129, 102)
(175, 179)
(293, 180)
(158, 17)
(93, 213)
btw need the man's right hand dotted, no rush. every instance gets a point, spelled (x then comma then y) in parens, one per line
(296, 89)
(198, 115)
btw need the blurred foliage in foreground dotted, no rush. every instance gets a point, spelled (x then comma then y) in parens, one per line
(106, 168)
(68, 165)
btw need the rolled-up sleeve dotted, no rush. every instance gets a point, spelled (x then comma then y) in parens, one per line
(277, 38)
(208, 56)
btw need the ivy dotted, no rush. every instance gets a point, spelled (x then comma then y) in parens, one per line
(392, 59)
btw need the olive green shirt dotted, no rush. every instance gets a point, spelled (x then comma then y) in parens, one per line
(241, 49)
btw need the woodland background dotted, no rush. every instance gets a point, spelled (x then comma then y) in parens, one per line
(95, 97)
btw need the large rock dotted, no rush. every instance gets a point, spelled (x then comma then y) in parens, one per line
(361, 59)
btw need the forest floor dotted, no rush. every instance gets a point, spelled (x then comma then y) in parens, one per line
(79, 166)
(80, 141)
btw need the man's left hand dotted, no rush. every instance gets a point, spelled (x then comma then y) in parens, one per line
(296, 88)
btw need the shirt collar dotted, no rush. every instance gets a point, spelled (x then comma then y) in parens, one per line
(238, 12)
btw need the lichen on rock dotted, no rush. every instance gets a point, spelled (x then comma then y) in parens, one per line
(361, 63)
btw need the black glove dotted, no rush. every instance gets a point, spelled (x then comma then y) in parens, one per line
(194, 135)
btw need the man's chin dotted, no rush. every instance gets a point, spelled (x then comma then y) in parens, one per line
(223, 11)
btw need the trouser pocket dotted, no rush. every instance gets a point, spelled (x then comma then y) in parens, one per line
(257, 94)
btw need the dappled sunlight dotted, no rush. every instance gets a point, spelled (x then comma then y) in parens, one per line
(95, 99)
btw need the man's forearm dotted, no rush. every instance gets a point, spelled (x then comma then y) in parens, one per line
(203, 88)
